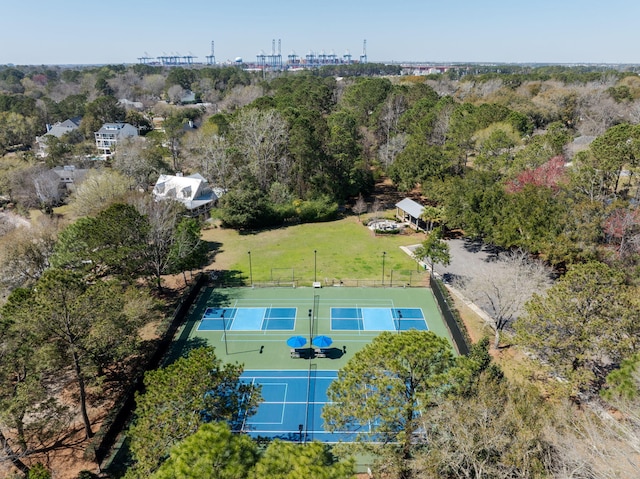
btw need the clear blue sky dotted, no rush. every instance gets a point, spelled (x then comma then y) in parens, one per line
(119, 31)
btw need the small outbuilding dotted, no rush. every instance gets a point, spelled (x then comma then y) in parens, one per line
(409, 211)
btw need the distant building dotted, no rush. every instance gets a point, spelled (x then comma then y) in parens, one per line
(188, 97)
(138, 105)
(69, 175)
(192, 191)
(109, 135)
(57, 130)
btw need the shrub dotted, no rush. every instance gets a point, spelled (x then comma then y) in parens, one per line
(38, 471)
(320, 209)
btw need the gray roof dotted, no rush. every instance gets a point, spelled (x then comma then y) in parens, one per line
(110, 127)
(66, 126)
(413, 208)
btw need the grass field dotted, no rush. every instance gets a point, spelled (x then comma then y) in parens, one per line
(344, 249)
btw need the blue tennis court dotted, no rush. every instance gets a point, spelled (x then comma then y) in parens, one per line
(377, 319)
(292, 406)
(248, 319)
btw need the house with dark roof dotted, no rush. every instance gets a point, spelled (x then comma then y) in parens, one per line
(409, 211)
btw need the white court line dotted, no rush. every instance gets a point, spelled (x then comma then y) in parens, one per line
(266, 300)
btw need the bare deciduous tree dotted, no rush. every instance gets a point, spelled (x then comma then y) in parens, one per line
(35, 187)
(392, 110)
(360, 206)
(388, 152)
(506, 419)
(207, 89)
(47, 188)
(240, 96)
(175, 93)
(163, 217)
(127, 85)
(209, 154)
(25, 252)
(503, 294)
(592, 444)
(138, 160)
(440, 129)
(153, 85)
(376, 207)
(261, 139)
(596, 110)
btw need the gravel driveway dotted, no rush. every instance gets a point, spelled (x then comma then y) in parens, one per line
(469, 258)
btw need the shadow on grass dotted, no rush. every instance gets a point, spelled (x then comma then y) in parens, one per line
(213, 249)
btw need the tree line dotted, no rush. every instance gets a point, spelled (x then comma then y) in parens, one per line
(73, 319)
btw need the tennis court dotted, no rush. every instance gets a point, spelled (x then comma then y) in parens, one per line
(377, 319)
(292, 406)
(248, 319)
(251, 326)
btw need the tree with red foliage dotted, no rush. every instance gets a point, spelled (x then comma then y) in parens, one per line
(622, 229)
(550, 174)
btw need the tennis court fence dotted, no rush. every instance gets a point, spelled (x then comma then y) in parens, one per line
(394, 279)
(397, 279)
(450, 315)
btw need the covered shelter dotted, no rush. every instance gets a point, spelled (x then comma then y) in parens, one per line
(409, 211)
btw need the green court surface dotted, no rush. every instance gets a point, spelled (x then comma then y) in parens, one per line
(234, 322)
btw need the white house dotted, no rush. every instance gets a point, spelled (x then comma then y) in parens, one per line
(192, 191)
(109, 135)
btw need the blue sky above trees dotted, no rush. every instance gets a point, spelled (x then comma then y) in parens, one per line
(566, 31)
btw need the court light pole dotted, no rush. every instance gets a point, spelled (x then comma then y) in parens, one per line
(224, 327)
(384, 254)
(315, 264)
(250, 269)
(310, 326)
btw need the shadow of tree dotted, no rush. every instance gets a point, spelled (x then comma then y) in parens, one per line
(213, 248)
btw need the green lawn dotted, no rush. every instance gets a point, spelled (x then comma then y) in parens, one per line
(345, 250)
